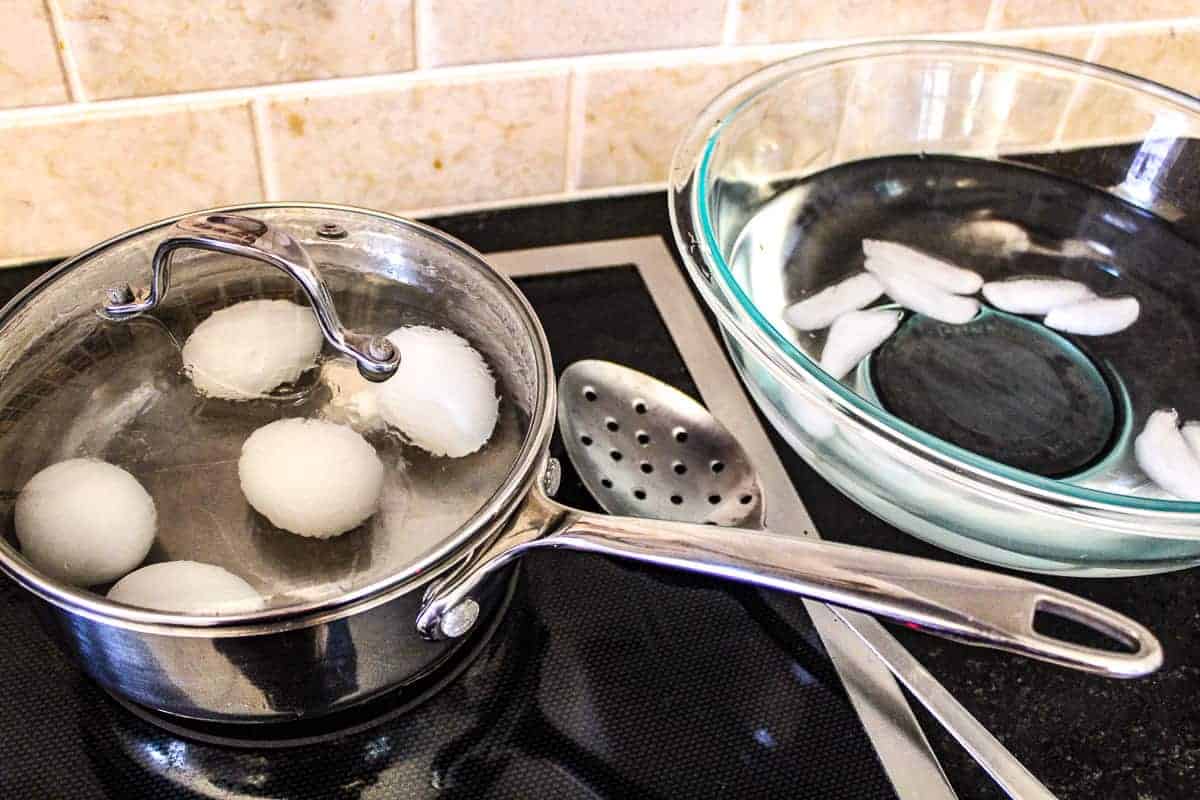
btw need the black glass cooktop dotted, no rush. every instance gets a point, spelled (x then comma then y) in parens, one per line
(601, 680)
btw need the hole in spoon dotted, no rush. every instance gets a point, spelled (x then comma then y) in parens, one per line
(679, 467)
(606, 483)
(676, 500)
(643, 438)
(590, 395)
(647, 467)
(717, 466)
(587, 441)
(639, 406)
(680, 435)
(745, 499)
(616, 455)
(639, 494)
(612, 425)
(714, 499)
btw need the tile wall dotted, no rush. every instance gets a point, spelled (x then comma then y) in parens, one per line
(117, 112)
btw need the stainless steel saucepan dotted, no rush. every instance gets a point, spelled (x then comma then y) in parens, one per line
(90, 366)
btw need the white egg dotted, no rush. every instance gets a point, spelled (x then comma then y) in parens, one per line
(443, 396)
(247, 350)
(187, 587)
(311, 477)
(84, 521)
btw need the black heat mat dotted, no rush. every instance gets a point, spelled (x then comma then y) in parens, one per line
(602, 680)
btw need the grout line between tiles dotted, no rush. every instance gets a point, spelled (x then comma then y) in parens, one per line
(994, 15)
(502, 70)
(265, 146)
(1094, 48)
(843, 122)
(1077, 93)
(576, 86)
(66, 55)
(418, 12)
(733, 17)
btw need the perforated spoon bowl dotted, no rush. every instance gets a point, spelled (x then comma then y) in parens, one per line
(678, 462)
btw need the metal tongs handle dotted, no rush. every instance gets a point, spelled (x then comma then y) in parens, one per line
(237, 235)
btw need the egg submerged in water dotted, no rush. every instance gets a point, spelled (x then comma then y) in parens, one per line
(85, 521)
(247, 350)
(187, 587)
(311, 477)
(443, 395)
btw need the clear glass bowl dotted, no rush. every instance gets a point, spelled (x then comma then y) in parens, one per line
(999, 439)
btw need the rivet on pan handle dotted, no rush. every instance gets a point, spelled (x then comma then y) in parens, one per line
(251, 238)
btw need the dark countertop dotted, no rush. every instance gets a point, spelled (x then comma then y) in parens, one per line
(1084, 736)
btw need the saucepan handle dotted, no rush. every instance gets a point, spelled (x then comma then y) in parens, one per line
(960, 603)
(252, 238)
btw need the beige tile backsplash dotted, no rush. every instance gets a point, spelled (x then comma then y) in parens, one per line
(72, 181)
(1034, 13)
(797, 20)
(30, 74)
(1167, 55)
(633, 116)
(128, 48)
(1163, 55)
(117, 112)
(424, 144)
(477, 31)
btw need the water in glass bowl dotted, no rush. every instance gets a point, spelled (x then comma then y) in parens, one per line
(1004, 386)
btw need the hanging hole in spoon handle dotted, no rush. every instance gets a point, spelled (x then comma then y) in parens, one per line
(247, 237)
(1009, 613)
(1091, 629)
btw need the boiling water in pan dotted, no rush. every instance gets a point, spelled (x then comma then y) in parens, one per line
(120, 395)
(1002, 386)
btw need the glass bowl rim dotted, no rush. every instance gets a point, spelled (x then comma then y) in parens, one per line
(746, 320)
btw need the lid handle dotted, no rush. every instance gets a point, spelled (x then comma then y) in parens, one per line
(237, 235)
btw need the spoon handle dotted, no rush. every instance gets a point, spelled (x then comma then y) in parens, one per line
(960, 603)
